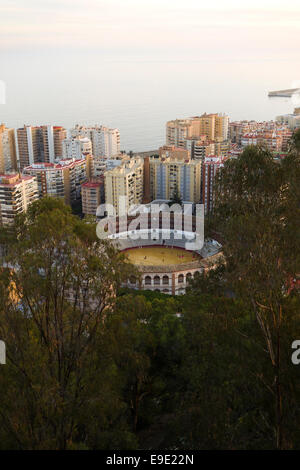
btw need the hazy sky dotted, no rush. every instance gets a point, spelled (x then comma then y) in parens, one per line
(155, 29)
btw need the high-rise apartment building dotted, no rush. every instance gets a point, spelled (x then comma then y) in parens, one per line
(199, 148)
(74, 147)
(53, 136)
(168, 175)
(125, 181)
(105, 141)
(39, 144)
(62, 179)
(202, 147)
(8, 157)
(29, 145)
(210, 167)
(222, 147)
(16, 194)
(177, 132)
(213, 126)
(101, 165)
(92, 194)
(208, 126)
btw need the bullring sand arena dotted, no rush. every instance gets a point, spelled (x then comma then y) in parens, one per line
(160, 256)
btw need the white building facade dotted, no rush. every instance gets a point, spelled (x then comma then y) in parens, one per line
(74, 147)
(105, 141)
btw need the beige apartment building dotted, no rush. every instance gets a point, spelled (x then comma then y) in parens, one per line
(125, 181)
(168, 175)
(16, 194)
(201, 147)
(211, 126)
(177, 132)
(91, 196)
(8, 157)
(101, 165)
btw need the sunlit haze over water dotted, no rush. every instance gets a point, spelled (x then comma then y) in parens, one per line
(135, 65)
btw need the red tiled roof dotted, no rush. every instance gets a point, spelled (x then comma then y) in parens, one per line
(91, 185)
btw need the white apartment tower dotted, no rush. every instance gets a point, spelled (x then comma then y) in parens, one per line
(105, 141)
(74, 147)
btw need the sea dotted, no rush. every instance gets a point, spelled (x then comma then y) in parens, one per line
(137, 96)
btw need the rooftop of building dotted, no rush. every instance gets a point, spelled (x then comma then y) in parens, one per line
(27, 126)
(62, 164)
(96, 127)
(126, 167)
(214, 159)
(13, 179)
(92, 184)
(171, 148)
(173, 160)
(77, 138)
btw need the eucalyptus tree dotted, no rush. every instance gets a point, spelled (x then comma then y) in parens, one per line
(57, 291)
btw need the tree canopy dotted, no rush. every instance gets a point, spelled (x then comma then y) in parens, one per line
(91, 365)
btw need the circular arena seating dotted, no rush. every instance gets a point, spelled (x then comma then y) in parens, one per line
(168, 279)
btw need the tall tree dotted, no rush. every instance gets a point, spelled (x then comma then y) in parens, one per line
(64, 281)
(257, 210)
(176, 197)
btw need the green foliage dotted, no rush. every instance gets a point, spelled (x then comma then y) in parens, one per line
(296, 142)
(257, 211)
(176, 197)
(64, 281)
(92, 365)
